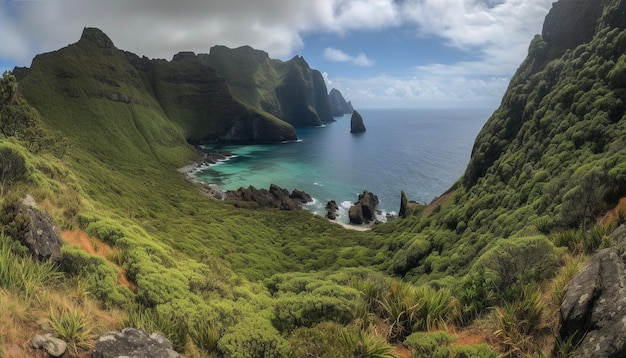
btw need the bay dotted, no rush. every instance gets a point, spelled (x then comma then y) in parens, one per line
(420, 151)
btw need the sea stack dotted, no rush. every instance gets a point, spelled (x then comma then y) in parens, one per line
(356, 123)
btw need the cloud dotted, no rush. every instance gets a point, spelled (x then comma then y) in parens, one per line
(494, 33)
(333, 54)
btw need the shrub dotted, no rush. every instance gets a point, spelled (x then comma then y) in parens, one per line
(323, 340)
(512, 263)
(520, 322)
(364, 345)
(425, 344)
(253, 337)
(293, 311)
(70, 326)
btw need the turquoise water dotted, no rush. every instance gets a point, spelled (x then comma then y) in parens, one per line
(420, 151)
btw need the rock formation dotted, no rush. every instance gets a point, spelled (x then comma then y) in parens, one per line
(132, 342)
(338, 104)
(404, 202)
(356, 123)
(275, 197)
(594, 307)
(364, 210)
(331, 210)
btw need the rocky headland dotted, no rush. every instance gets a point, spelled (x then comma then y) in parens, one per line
(338, 104)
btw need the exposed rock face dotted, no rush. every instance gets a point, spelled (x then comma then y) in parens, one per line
(133, 343)
(356, 123)
(97, 37)
(275, 197)
(338, 104)
(594, 306)
(364, 210)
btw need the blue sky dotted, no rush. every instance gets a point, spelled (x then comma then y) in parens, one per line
(378, 53)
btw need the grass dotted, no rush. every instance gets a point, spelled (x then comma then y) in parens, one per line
(73, 328)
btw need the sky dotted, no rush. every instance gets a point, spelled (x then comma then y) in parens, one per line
(378, 53)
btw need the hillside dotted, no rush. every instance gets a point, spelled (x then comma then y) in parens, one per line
(93, 136)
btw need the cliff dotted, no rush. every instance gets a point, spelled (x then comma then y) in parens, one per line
(338, 104)
(232, 95)
(288, 90)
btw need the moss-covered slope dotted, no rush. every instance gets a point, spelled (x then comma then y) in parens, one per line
(552, 155)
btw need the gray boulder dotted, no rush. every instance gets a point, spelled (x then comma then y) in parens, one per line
(41, 237)
(53, 346)
(593, 310)
(133, 343)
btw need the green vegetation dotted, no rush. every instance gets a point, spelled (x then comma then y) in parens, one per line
(493, 255)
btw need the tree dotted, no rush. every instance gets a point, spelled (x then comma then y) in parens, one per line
(12, 167)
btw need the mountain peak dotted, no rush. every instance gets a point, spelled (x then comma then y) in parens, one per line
(97, 37)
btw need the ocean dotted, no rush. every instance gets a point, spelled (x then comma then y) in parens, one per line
(420, 151)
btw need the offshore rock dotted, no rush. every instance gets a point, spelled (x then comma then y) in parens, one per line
(356, 123)
(135, 343)
(331, 210)
(364, 210)
(593, 309)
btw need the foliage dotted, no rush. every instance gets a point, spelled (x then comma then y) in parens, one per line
(254, 338)
(437, 344)
(511, 264)
(21, 272)
(12, 167)
(520, 322)
(71, 327)
(363, 345)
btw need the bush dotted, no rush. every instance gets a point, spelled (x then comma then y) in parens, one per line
(437, 345)
(253, 337)
(513, 263)
(322, 340)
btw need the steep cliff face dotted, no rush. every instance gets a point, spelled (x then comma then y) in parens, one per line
(91, 92)
(228, 95)
(338, 104)
(289, 90)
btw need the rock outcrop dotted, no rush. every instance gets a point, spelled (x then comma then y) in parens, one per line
(356, 123)
(338, 104)
(404, 202)
(331, 210)
(593, 309)
(135, 343)
(364, 210)
(275, 197)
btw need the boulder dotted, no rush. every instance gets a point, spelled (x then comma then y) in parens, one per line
(356, 123)
(135, 343)
(301, 196)
(593, 309)
(331, 210)
(364, 210)
(53, 346)
(35, 230)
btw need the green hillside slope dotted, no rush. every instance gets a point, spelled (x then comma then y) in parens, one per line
(552, 156)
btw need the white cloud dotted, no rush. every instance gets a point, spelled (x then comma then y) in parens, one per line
(333, 54)
(495, 33)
